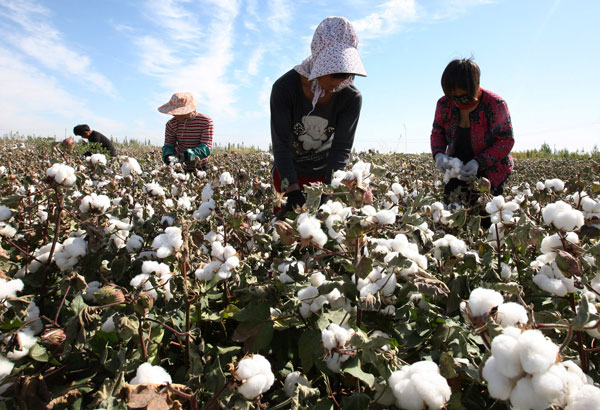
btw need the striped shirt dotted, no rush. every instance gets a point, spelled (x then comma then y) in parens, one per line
(189, 134)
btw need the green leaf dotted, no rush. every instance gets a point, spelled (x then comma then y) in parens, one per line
(38, 353)
(352, 366)
(323, 404)
(458, 219)
(309, 348)
(255, 335)
(358, 401)
(364, 267)
(255, 312)
(583, 314)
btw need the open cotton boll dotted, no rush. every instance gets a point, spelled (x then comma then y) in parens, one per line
(207, 193)
(595, 332)
(505, 348)
(88, 293)
(481, 301)
(226, 178)
(26, 341)
(95, 203)
(550, 384)
(420, 386)
(562, 216)
(154, 189)
(256, 376)
(453, 171)
(499, 386)
(537, 353)
(5, 213)
(585, 398)
(292, 381)
(511, 314)
(130, 166)
(309, 227)
(204, 210)
(72, 250)
(6, 367)
(208, 271)
(523, 396)
(62, 174)
(9, 288)
(555, 184)
(148, 374)
(168, 242)
(7, 230)
(552, 280)
(284, 268)
(109, 325)
(134, 243)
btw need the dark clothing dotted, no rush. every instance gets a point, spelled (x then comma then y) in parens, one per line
(317, 145)
(464, 149)
(491, 135)
(95, 136)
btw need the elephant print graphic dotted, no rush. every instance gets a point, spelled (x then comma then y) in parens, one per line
(313, 133)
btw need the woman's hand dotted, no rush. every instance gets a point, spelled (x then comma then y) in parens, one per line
(470, 169)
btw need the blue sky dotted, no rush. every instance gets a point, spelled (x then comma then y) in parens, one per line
(111, 63)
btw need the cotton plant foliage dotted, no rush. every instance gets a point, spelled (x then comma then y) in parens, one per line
(122, 275)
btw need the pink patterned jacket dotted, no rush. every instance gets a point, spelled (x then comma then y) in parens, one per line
(491, 135)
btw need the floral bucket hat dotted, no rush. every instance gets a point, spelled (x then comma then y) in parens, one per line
(334, 49)
(179, 104)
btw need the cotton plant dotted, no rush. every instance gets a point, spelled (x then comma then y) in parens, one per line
(481, 303)
(588, 205)
(311, 301)
(420, 386)
(95, 203)
(381, 217)
(377, 282)
(254, 376)
(154, 189)
(525, 368)
(96, 159)
(292, 381)
(130, 167)
(226, 179)
(184, 202)
(161, 272)
(309, 228)
(337, 214)
(550, 278)
(224, 261)
(208, 204)
(562, 216)
(359, 175)
(394, 195)
(457, 247)
(553, 185)
(400, 245)
(336, 342)
(72, 250)
(284, 267)
(438, 213)
(501, 210)
(146, 373)
(62, 174)
(168, 242)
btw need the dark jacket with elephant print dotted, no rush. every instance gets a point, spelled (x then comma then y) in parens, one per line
(314, 145)
(491, 135)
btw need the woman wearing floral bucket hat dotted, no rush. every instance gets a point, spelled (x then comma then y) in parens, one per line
(314, 111)
(189, 134)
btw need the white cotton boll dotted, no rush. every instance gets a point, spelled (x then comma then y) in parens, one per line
(6, 367)
(26, 341)
(595, 332)
(511, 314)
(154, 189)
(555, 184)
(524, 397)
(385, 217)
(247, 368)
(207, 193)
(226, 178)
(433, 389)
(292, 381)
(537, 353)
(550, 384)
(309, 227)
(33, 312)
(204, 210)
(505, 273)
(550, 243)
(253, 386)
(10, 288)
(586, 398)
(562, 216)
(134, 243)
(167, 220)
(481, 301)
(308, 293)
(317, 279)
(505, 349)
(7, 230)
(148, 374)
(317, 303)
(499, 386)
(130, 166)
(5, 213)
(94, 202)
(92, 287)
(96, 159)
(109, 325)
(207, 272)
(62, 174)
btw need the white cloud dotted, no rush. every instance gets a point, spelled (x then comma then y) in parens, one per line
(387, 19)
(179, 23)
(156, 57)
(41, 41)
(39, 105)
(281, 16)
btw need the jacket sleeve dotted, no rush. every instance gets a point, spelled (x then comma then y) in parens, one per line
(343, 139)
(281, 132)
(438, 132)
(207, 136)
(500, 133)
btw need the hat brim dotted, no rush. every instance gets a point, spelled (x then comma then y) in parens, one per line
(173, 110)
(337, 58)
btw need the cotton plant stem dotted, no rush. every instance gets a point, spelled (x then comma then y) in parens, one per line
(43, 291)
(583, 357)
(62, 302)
(24, 252)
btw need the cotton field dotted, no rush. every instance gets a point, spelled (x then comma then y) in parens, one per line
(124, 280)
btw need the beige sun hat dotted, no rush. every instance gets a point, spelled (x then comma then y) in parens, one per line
(179, 104)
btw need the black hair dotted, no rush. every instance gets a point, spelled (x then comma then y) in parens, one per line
(461, 73)
(81, 129)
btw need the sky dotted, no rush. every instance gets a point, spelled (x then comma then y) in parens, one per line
(111, 63)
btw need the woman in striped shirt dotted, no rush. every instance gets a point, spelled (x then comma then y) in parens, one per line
(188, 135)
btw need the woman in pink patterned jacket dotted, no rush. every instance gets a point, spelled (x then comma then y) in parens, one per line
(474, 125)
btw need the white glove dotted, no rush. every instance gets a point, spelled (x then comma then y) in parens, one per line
(470, 169)
(442, 162)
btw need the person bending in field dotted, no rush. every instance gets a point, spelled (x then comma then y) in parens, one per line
(84, 131)
(188, 135)
(314, 111)
(473, 125)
